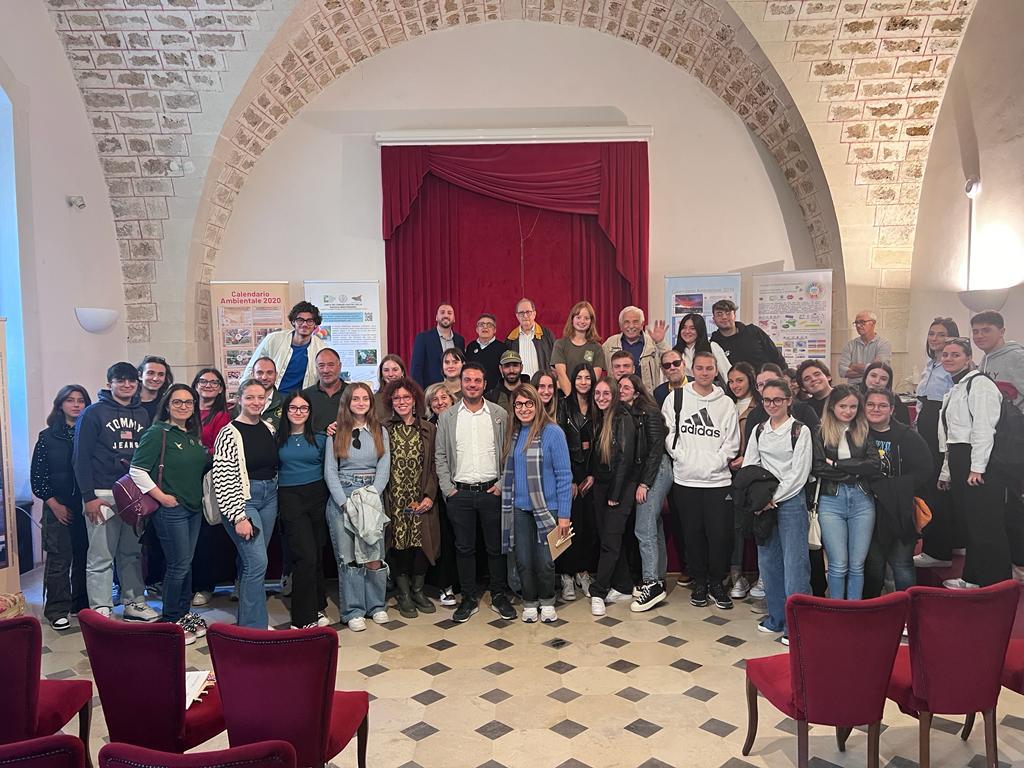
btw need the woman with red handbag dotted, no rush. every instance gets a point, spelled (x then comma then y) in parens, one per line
(172, 452)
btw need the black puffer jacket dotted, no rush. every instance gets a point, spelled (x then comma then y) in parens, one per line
(616, 472)
(863, 465)
(651, 432)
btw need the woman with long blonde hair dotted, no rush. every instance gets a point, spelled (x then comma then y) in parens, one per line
(580, 343)
(843, 463)
(357, 466)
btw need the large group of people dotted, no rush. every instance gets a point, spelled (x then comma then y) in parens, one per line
(529, 446)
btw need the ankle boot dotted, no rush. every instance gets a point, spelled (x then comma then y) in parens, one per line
(424, 603)
(406, 606)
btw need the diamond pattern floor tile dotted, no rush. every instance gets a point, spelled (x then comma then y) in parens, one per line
(701, 694)
(643, 728)
(662, 620)
(718, 727)
(437, 668)
(495, 696)
(428, 696)
(672, 641)
(419, 731)
(560, 667)
(373, 670)
(493, 730)
(732, 642)
(685, 665)
(614, 642)
(716, 620)
(385, 646)
(441, 645)
(498, 668)
(499, 645)
(631, 694)
(621, 665)
(568, 728)
(564, 695)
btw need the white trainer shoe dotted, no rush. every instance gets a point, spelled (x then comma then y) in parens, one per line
(959, 584)
(597, 606)
(358, 624)
(927, 561)
(139, 611)
(322, 620)
(548, 614)
(202, 598)
(614, 596)
(584, 580)
(740, 587)
(381, 617)
(568, 587)
(529, 615)
(104, 612)
(757, 591)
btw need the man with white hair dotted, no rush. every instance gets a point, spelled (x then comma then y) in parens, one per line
(866, 348)
(645, 345)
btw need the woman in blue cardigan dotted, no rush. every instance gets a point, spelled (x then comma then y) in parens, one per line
(536, 496)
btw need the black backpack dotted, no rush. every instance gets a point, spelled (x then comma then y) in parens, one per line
(1008, 443)
(794, 432)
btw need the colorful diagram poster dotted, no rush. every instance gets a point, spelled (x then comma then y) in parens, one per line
(698, 293)
(795, 309)
(243, 314)
(351, 324)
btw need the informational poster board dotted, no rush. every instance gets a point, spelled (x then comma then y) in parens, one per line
(795, 309)
(9, 579)
(243, 314)
(351, 324)
(698, 293)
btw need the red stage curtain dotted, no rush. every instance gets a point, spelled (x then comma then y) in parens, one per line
(453, 218)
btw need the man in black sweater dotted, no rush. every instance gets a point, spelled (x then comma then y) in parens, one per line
(743, 343)
(486, 349)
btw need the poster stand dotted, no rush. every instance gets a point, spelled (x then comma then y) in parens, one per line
(243, 314)
(697, 293)
(795, 309)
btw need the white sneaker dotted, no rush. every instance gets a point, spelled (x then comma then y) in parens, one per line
(448, 597)
(740, 587)
(196, 623)
(614, 596)
(568, 587)
(584, 580)
(381, 617)
(322, 620)
(959, 584)
(139, 612)
(927, 561)
(358, 624)
(61, 623)
(529, 615)
(597, 606)
(202, 598)
(185, 622)
(757, 591)
(104, 612)
(548, 614)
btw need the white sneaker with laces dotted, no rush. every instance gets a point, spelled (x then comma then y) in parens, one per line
(322, 620)
(597, 606)
(757, 591)
(529, 615)
(61, 623)
(548, 614)
(568, 587)
(104, 612)
(197, 624)
(139, 611)
(614, 596)
(959, 584)
(358, 624)
(740, 587)
(584, 580)
(927, 561)
(448, 597)
(381, 617)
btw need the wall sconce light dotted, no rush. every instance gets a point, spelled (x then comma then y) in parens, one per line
(75, 201)
(96, 319)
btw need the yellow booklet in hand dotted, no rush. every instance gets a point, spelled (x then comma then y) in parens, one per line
(558, 544)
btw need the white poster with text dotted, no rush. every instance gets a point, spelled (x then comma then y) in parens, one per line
(351, 324)
(795, 309)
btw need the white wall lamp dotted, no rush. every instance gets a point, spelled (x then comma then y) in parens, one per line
(978, 300)
(96, 319)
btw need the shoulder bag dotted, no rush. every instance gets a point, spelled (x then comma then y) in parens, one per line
(134, 506)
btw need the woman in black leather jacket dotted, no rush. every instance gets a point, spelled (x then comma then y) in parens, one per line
(614, 494)
(844, 460)
(577, 416)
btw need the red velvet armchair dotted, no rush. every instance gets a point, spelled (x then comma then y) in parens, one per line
(30, 707)
(58, 751)
(156, 718)
(263, 754)
(954, 662)
(836, 671)
(280, 685)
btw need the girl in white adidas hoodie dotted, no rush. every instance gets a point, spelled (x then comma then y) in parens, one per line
(703, 438)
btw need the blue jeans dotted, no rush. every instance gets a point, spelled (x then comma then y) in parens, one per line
(649, 530)
(177, 529)
(533, 561)
(261, 509)
(362, 591)
(783, 561)
(847, 522)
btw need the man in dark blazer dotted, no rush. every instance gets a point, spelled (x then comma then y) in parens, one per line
(429, 345)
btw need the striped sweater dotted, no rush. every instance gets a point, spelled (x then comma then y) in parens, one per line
(230, 476)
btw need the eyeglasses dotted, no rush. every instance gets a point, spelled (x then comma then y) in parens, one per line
(355, 440)
(774, 401)
(485, 324)
(524, 405)
(877, 406)
(671, 364)
(862, 322)
(304, 321)
(182, 403)
(298, 409)
(208, 383)
(526, 312)
(402, 399)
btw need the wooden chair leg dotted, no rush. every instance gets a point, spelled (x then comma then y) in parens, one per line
(874, 731)
(84, 726)
(751, 717)
(968, 725)
(362, 737)
(801, 743)
(991, 746)
(842, 734)
(924, 727)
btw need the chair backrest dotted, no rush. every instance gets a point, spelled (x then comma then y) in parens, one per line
(20, 651)
(263, 754)
(57, 751)
(841, 654)
(139, 671)
(276, 685)
(958, 640)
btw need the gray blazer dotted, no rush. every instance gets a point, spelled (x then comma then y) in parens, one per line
(444, 451)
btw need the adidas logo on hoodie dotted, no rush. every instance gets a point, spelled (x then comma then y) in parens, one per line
(700, 424)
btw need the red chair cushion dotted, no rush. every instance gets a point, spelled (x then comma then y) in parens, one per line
(60, 751)
(771, 676)
(59, 702)
(901, 684)
(348, 710)
(1013, 666)
(203, 720)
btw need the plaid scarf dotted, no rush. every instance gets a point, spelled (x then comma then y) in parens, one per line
(535, 483)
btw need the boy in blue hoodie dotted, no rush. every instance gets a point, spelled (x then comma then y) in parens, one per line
(106, 437)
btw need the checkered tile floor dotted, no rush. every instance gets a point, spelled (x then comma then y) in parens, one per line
(654, 690)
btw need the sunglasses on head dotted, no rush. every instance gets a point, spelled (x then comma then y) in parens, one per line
(355, 440)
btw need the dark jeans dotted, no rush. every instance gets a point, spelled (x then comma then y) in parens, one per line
(177, 529)
(444, 573)
(707, 523)
(215, 558)
(612, 527)
(301, 510)
(465, 508)
(984, 509)
(899, 556)
(155, 557)
(819, 584)
(66, 547)
(533, 561)
(582, 556)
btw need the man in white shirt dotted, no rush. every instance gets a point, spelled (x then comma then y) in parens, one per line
(533, 342)
(468, 456)
(868, 347)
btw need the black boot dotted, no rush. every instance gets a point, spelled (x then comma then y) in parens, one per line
(424, 603)
(406, 606)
